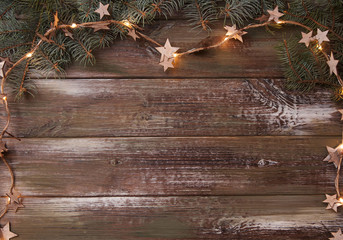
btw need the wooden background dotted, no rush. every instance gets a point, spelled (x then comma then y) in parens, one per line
(213, 149)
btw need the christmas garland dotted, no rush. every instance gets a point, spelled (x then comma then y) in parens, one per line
(317, 44)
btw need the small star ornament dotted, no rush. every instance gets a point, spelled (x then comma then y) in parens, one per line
(102, 10)
(275, 14)
(132, 33)
(6, 233)
(14, 196)
(333, 65)
(99, 26)
(56, 20)
(334, 155)
(341, 111)
(167, 50)
(337, 235)
(306, 38)
(332, 202)
(232, 31)
(321, 36)
(167, 63)
(2, 64)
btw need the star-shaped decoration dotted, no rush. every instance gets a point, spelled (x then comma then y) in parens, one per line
(332, 64)
(14, 206)
(306, 38)
(334, 155)
(275, 14)
(102, 10)
(337, 235)
(99, 26)
(341, 111)
(321, 36)
(56, 20)
(6, 233)
(167, 50)
(14, 196)
(332, 202)
(132, 33)
(167, 63)
(67, 33)
(3, 147)
(2, 64)
(262, 19)
(232, 31)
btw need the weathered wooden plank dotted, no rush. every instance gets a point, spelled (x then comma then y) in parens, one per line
(171, 166)
(172, 107)
(256, 57)
(265, 217)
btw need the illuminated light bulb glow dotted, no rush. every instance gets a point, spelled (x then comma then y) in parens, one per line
(29, 55)
(279, 22)
(127, 23)
(175, 55)
(74, 25)
(341, 200)
(319, 47)
(4, 98)
(225, 39)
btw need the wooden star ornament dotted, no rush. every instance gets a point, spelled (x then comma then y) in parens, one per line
(167, 63)
(334, 155)
(56, 20)
(341, 111)
(6, 233)
(337, 235)
(167, 50)
(332, 64)
(275, 14)
(132, 33)
(102, 10)
(2, 64)
(99, 26)
(14, 196)
(236, 34)
(321, 36)
(332, 202)
(306, 38)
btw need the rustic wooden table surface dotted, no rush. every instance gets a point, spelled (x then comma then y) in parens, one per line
(214, 149)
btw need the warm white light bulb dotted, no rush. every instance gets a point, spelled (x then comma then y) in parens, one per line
(127, 23)
(29, 55)
(4, 98)
(74, 25)
(175, 55)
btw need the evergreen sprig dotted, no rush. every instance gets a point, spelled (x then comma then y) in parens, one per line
(24, 21)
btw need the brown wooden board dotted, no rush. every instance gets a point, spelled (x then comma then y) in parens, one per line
(256, 57)
(171, 166)
(172, 107)
(238, 217)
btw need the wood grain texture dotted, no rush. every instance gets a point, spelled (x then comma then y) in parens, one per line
(256, 57)
(238, 217)
(171, 166)
(172, 107)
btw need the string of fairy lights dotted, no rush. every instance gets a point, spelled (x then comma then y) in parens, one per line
(167, 59)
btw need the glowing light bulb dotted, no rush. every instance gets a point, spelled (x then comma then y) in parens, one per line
(74, 25)
(127, 23)
(29, 54)
(4, 98)
(225, 39)
(319, 47)
(341, 146)
(175, 55)
(8, 200)
(279, 22)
